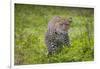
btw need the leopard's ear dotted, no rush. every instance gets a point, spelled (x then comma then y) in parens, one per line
(56, 18)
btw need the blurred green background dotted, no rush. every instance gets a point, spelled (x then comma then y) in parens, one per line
(31, 25)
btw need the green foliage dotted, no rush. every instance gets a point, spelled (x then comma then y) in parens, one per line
(30, 27)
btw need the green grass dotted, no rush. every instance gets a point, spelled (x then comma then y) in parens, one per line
(31, 25)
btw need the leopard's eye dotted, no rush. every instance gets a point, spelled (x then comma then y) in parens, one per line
(61, 24)
(66, 23)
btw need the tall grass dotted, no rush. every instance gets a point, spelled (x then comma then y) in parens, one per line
(30, 28)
